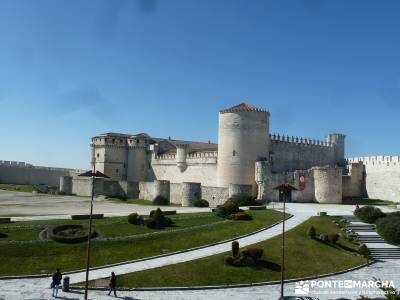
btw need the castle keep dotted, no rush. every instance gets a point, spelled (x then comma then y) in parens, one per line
(248, 159)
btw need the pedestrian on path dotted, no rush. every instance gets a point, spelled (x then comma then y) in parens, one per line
(57, 276)
(113, 284)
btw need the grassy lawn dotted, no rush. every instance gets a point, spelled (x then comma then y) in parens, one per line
(139, 202)
(304, 257)
(38, 257)
(17, 187)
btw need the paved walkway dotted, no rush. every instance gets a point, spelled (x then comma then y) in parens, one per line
(38, 288)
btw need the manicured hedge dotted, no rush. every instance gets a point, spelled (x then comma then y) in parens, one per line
(369, 214)
(389, 228)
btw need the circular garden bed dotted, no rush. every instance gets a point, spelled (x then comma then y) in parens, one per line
(70, 234)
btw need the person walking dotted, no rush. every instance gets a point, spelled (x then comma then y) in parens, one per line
(57, 276)
(113, 284)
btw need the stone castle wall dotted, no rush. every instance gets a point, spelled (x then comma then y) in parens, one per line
(382, 176)
(200, 167)
(13, 172)
(290, 153)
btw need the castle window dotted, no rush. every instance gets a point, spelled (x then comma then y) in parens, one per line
(120, 141)
(234, 153)
(113, 141)
(98, 155)
(116, 171)
(124, 166)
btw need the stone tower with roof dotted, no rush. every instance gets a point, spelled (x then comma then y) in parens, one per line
(243, 138)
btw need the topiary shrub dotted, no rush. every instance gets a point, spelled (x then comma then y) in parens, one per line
(201, 203)
(231, 206)
(364, 251)
(157, 219)
(333, 238)
(160, 200)
(229, 260)
(240, 216)
(235, 249)
(254, 252)
(368, 214)
(389, 228)
(135, 219)
(312, 233)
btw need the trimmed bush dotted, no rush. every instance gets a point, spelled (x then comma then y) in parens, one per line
(160, 200)
(364, 251)
(333, 238)
(135, 219)
(158, 220)
(229, 260)
(231, 207)
(254, 252)
(3, 235)
(368, 214)
(312, 232)
(201, 203)
(389, 228)
(235, 248)
(240, 216)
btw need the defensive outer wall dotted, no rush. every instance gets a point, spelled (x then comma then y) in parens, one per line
(13, 172)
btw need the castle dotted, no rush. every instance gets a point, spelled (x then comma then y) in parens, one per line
(247, 160)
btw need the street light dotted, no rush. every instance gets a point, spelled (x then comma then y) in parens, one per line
(93, 174)
(285, 190)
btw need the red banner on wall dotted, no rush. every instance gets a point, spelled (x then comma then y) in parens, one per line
(302, 181)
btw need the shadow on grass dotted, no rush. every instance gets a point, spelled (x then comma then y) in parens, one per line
(337, 246)
(3, 235)
(264, 264)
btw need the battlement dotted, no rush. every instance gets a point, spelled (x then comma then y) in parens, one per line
(379, 161)
(206, 154)
(21, 164)
(277, 138)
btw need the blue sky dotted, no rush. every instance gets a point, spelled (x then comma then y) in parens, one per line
(72, 69)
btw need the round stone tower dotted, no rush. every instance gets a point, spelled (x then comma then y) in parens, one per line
(243, 139)
(328, 184)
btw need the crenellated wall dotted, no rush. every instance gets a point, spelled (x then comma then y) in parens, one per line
(382, 176)
(293, 153)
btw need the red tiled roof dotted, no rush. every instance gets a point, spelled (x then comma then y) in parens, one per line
(242, 107)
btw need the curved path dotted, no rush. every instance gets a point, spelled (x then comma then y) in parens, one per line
(38, 288)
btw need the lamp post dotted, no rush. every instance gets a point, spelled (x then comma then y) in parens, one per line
(284, 190)
(93, 174)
